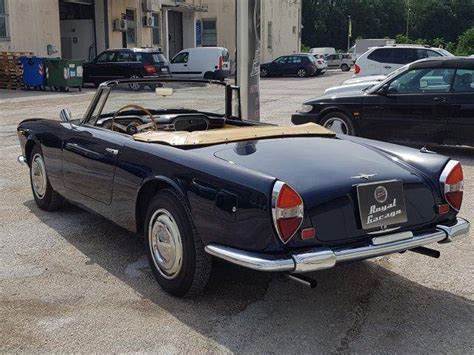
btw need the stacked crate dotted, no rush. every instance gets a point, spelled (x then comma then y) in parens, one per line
(11, 70)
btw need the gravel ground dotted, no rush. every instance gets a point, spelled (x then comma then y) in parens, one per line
(71, 281)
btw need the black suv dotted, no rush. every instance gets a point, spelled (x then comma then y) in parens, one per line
(126, 63)
(295, 64)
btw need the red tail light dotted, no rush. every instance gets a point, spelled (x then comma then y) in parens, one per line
(356, 69)
(452, 184)
(220, 65)
(287, 210)
(150, 69)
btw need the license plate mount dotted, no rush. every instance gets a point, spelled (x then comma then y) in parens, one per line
(381, 204)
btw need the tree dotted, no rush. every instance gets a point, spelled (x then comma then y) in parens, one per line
(326, 24)
(465, 44)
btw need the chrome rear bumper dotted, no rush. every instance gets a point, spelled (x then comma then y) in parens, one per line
(324, 258)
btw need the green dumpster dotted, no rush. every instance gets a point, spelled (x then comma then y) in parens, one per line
(63, 74)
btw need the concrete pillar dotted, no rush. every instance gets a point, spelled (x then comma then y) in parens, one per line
(248, 57)
(165, 33)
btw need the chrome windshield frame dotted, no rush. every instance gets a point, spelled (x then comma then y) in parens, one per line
(107, 86)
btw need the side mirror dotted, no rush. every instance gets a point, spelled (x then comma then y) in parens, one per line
(65, 115)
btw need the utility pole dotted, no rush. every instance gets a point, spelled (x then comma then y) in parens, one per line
(349, 33)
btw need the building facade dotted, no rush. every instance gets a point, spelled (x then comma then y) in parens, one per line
(80, 29)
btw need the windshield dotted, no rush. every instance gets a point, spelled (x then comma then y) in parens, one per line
(375, 87)
(159, 96)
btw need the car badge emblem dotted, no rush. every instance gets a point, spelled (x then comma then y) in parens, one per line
(380, 194)
(363, 176)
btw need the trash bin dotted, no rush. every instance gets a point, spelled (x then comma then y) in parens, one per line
(63, 74)
(33, 72)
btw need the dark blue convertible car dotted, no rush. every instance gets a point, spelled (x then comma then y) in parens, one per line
(178, 166)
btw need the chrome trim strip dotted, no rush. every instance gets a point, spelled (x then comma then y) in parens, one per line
(445, 188)
(325, 258)
(395, 237)
(22, 160)
(278, 213)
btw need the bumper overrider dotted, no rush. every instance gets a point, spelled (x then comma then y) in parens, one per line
(324, 257)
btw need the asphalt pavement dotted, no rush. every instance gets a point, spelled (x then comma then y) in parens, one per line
(72, 281)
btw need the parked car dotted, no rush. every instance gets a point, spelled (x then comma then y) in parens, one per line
(350, 87)
(321, 64)
(180, 169)
(122, 63)
(339, 60)
(201, 62)
(383, 60)
(430, 101)
(361, 83)
(301, 65)
(361, 79)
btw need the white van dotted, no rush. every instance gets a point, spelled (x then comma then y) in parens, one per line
(201, 62)
(322, 51)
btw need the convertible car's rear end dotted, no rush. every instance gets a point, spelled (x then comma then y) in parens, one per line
(347, 199)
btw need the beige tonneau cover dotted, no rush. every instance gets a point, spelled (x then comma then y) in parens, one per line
(231, 134)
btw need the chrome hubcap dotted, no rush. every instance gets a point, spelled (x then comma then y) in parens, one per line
(165, 244)
(134, 86)
(38, 176)
(301, 72)
(337, 125)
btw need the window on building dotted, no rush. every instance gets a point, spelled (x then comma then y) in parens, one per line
(3, 19)
(209, 33)
(156, 29)
(269, 35)
(130, 16)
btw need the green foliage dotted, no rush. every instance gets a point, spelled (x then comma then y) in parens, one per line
(433, 22)
(465, 44)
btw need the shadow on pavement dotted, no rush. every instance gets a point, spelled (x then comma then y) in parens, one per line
(359, 307)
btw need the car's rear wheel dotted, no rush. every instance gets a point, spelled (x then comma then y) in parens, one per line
(339, 123)
(174, 249)
(135, 86)
(45, 197)
(263, 73)
(302, 72)
(345, 67)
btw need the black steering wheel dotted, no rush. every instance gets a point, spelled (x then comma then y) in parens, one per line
(132, 129)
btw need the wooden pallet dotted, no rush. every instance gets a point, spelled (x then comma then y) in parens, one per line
(11, 86)
(11, 71)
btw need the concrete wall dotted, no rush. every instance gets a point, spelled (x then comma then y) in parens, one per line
(285, 16)
(33, 24)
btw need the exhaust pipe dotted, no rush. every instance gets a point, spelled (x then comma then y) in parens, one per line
(304, 280)
(426, 251)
